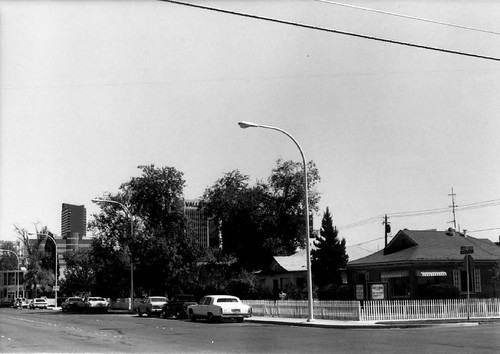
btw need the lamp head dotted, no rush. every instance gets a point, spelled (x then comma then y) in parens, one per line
(245, 125)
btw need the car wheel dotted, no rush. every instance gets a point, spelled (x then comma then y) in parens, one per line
(148, 312)
(139, 313)
(192, 317)
(239, 319)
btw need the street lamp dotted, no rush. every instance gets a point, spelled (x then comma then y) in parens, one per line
(245, 125)
(18, 268)
(56, 288)
(97, 200)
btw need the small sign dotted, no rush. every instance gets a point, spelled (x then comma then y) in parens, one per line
(55, 288)
(466, 249)
(378, 292)
(360, 292)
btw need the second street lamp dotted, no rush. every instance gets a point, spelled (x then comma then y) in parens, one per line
(306, 203)
(56, 288)
(124, 207)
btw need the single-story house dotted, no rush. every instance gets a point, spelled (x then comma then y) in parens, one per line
(415, 259)
(284, 272)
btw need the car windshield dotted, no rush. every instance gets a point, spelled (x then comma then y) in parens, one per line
(158, 299)
(39, 300)
(227, 299)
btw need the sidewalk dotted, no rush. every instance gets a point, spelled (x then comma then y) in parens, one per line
(320, 323)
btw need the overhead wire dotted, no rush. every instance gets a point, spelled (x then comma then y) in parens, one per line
(471, 206)
(409, 17)
(324, 29)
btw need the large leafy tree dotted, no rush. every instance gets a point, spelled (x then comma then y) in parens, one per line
(257, 222)
(161, 249)
(79, 275)
(286, 185)
(329, 255)
(40, 260)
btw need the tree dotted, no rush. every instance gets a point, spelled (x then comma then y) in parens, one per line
(79, 275)
(264, 220)
(161, 249)
(40, 259)
(330, 254)
(286, 185)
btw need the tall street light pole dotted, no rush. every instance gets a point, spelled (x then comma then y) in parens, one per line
(245, 125)
(56, 288)
(97, 200)
(18, 268)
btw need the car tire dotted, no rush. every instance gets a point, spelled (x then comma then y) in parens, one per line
(192, 317)
(240, 319)
(148, 313)
(139, 313)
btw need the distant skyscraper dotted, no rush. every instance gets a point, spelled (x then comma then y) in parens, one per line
(202, 228)
(73, 224)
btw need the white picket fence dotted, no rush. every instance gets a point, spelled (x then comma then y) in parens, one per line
(331, 310)
(380, 310)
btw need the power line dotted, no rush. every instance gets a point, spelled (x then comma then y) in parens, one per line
(409, 17)
(482, 230)
(471, 206)
(318, 28)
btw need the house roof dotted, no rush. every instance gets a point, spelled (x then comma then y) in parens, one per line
(297, 262)
(294, 263)
(430, 245)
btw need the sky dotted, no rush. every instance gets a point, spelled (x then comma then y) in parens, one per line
(89, 90)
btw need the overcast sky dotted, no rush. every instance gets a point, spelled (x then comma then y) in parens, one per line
(92, 89)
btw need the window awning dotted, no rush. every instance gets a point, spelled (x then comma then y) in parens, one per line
(431, 273)
(395, 274)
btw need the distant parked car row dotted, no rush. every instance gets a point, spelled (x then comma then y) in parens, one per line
(214, 308)
(38, 303)
(88, 304)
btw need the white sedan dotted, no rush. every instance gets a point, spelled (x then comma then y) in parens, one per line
(95, 304)
(217, 307)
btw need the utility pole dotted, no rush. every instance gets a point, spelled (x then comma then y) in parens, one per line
(387, 229)
(453, 205)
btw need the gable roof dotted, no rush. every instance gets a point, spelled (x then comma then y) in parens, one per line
(294, 263)
(430, 245)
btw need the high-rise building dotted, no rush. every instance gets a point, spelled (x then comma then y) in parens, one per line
(73, 224)
(203, 228)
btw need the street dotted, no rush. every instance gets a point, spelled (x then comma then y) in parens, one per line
(35, 331)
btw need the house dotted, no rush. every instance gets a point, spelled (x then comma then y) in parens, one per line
(289, 272)
(284, 273)
(415, 259)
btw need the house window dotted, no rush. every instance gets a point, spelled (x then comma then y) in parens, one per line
(400, 286)
(460, 280)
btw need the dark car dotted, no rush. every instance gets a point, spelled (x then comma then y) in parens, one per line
(74, 304)
(177, 306)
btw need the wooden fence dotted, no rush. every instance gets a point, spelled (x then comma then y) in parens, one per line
(380, 310)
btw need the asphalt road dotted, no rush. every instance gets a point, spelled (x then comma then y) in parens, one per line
(36, 331)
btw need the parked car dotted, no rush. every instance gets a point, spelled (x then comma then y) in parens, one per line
(38, 303)
(151, 305)
(217, 307)
(177, 306)
(75, 304)
(95, 304)
(20, 303)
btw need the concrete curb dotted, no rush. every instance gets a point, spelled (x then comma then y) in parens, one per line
(358, 325)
